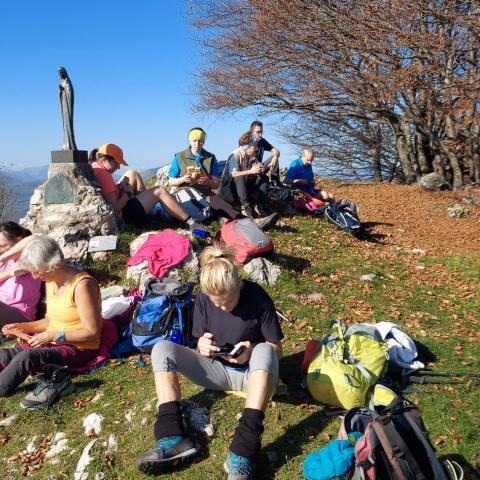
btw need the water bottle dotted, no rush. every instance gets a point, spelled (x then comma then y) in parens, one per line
(200, 233)
(176, 336)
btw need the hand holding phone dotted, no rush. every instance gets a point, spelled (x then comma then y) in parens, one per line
(230, 351)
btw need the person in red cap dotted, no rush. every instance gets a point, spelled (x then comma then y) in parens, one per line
(130, 199)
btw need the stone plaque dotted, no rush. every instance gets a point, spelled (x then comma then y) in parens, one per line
(58, 190)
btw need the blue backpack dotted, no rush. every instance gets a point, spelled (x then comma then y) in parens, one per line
(166, 313)
(343, 215)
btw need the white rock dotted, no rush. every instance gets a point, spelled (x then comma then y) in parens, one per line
(420, 267)
(31, 446)
(369, 277)
(57, 445)
(262, 270)
(93, 424)
(458, 211)
(144, 422)
(162, 176)
(128, 416)
(85, 459)
(7, 421)
(111, 444)
(99, 476)
(97, 397)
(417, 251)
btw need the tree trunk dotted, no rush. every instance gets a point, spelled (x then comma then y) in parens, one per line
(423, 161)
(377, 153)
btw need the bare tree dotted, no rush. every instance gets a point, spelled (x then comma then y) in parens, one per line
(411, 67)
(8, 198)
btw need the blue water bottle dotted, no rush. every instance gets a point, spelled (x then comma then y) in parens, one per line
(200, 233)
(176, 336)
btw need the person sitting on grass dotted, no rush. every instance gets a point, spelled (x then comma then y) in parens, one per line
(228, 313)
(69, 334)
(207, 179)
(129, 197)
(300, 175)
(263, 145)
(19, 291)
(243, 179)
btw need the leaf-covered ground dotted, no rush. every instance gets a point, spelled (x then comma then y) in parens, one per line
(426, 269)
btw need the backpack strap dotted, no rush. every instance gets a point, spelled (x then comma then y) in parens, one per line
(398, 454)
(435, 464)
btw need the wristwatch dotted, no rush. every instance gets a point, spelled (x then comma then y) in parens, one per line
(60, 337)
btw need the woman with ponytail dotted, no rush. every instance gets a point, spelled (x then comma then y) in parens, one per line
(19, 291)
(230, 313)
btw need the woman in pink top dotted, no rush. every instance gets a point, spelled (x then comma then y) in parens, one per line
(19, 291)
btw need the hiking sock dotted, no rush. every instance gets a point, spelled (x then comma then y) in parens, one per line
(247, 439)
(190, 221)
(169, 421)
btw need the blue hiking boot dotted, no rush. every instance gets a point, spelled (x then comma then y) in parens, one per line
(168, 452)
(238, 468)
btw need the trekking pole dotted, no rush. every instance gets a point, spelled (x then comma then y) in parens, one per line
(438, 379)
(434, 373)
(282, 316)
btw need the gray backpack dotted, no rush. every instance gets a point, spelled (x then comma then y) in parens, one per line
(193, 203)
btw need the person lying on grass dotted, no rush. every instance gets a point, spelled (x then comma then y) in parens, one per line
(300, 175)
(69, 334)
(130, 199)
(205, 178)
(230, 314)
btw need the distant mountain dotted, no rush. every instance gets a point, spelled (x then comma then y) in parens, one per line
(30, 174)
(23, 182)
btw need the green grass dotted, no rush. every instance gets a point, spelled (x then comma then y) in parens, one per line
(437, 306)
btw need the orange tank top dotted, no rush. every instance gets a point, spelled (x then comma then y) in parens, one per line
(62, 312)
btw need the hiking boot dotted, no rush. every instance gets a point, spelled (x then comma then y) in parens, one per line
(238, 468)
(261, 211)
(266, 222)
(168, 452)
(55, 382)
(246, 210)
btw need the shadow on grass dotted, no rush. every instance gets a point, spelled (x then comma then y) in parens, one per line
(425, 355)
(290, 444)
(290, 262)
(471, 473)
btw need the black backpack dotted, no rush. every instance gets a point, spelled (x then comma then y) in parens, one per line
(395, 445)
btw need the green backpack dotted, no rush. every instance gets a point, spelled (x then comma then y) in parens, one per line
(347, 365)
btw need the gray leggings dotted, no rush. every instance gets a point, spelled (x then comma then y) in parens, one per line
(210, 373)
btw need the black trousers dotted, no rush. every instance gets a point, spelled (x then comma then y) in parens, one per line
(220, 208)
(248, 189)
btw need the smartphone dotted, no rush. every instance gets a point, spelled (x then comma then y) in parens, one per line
(229, 351)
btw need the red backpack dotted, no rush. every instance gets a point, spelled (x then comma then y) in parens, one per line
(246, 238)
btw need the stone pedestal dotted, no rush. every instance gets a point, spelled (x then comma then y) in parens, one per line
(69, 206)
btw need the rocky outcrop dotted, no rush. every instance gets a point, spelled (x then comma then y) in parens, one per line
(262, 270)
(433, 182)
(70, 208)
(186, 271)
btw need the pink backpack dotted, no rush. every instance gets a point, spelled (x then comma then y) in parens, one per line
(247, 238)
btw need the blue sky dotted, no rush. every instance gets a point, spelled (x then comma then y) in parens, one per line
(132, 65)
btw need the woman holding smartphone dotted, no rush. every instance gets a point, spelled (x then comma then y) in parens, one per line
(230, 314)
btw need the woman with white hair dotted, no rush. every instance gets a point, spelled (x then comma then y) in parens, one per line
(69, 334)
